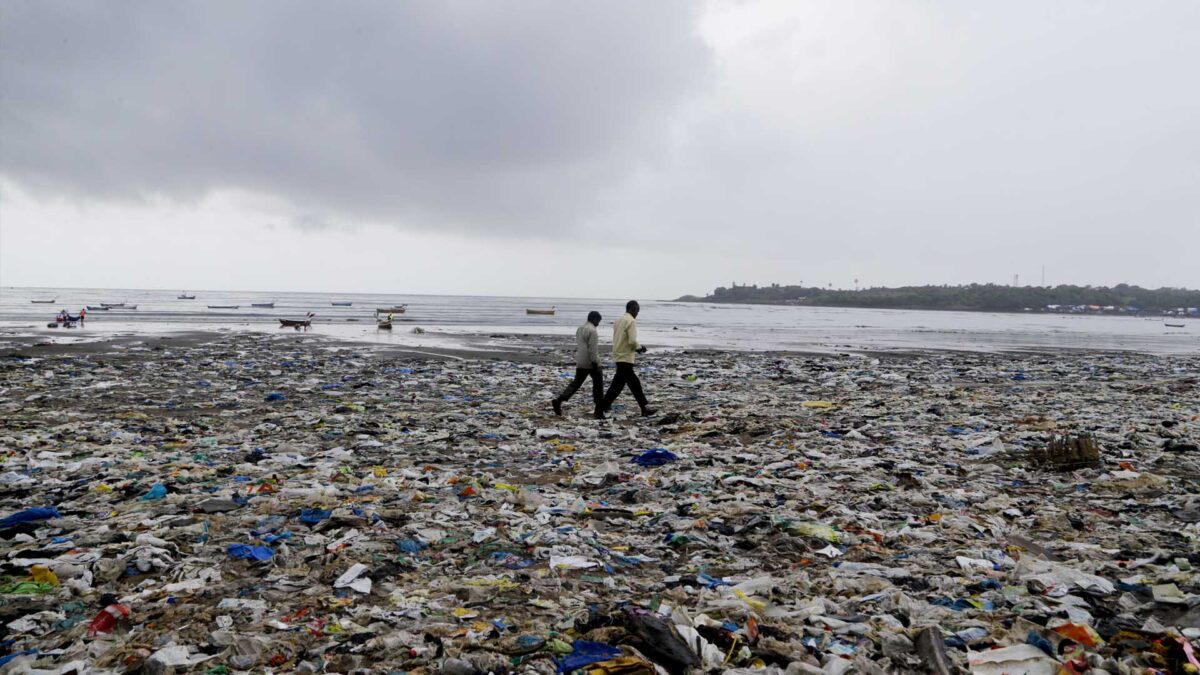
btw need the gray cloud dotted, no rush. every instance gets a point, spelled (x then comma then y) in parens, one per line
(895, 141)
(475, 116)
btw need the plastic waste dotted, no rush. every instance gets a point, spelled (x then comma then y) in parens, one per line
(157, 491)
(412, 512)
(248, 552)
(106, 621)
(29, 516)
(584, 653)
(655, 457)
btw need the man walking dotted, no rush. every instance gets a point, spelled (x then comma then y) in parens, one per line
(625, 345)
(587, 363)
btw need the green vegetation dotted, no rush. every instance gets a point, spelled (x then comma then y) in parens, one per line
(973, 297)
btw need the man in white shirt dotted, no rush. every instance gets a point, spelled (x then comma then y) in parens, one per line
(587, 363)
(625, 346)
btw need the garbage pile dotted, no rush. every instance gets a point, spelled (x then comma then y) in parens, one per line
(258, 503)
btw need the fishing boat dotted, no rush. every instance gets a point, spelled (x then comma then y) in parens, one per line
(297, 323)
(541, 312)
(1175, 325)
(385, 325)
(264, 305)
(341, 304)
(112, 305)
(44, 302)
(101, 308)
(219, 306)
(185, 296)
(398, 309)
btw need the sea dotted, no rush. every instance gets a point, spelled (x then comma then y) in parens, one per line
(482, 322)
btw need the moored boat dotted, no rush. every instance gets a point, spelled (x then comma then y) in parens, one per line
(112, 305)
(101, 308)
(398, 309)
(219, 306)
(297, 323)
(44, 302)
(185, 296)
(342, 304)
(264, 305)
(1175, 325)
(541, 312)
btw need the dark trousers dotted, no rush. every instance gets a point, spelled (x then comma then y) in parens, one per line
(625, 376)
(582, 374)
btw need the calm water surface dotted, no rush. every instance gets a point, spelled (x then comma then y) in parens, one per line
(474, 319)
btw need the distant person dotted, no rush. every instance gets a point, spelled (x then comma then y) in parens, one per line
(82, 315)
(625, 345)
(587, 364)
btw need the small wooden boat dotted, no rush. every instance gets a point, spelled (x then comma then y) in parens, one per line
(264, 305)
(102, 308)
(385, 325)
(342, 304)
(112, 305)
(1175, 325)
(297, 323)
(541, 312)
(218, 306)
(44, 302)
(185, 296)
(398, 309)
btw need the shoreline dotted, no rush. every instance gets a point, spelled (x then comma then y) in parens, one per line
(487, 345)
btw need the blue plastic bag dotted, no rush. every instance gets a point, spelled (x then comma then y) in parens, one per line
(29, 516)
(655, 457)
(586, 653)
(411, 545)
(157, 491)
(314, 516)
(245, 552)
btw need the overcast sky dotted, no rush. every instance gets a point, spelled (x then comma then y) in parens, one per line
(599, 149)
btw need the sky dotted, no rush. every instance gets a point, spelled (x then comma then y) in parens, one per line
(583, 149)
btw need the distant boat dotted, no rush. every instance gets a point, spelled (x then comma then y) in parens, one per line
(398, 309)
(185, 296)
(1175, 325)
(264, 305)
(44, 302)
(123, 307)
(341, 304)
(223, 306)
(541, 312)
(101, 308)
(112, 305)
(297, 323)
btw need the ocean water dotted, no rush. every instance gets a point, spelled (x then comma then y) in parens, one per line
(480, 321)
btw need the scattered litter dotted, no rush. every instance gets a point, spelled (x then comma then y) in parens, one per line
(250, 503)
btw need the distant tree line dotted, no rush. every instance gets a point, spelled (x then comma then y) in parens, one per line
(973, 297)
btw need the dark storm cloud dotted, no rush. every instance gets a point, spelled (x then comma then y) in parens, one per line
(482, 116)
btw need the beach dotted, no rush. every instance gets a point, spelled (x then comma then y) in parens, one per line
(252, 500)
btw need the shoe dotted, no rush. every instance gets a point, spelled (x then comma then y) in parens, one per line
(557, 405)
(599, 414)
(648, 412)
